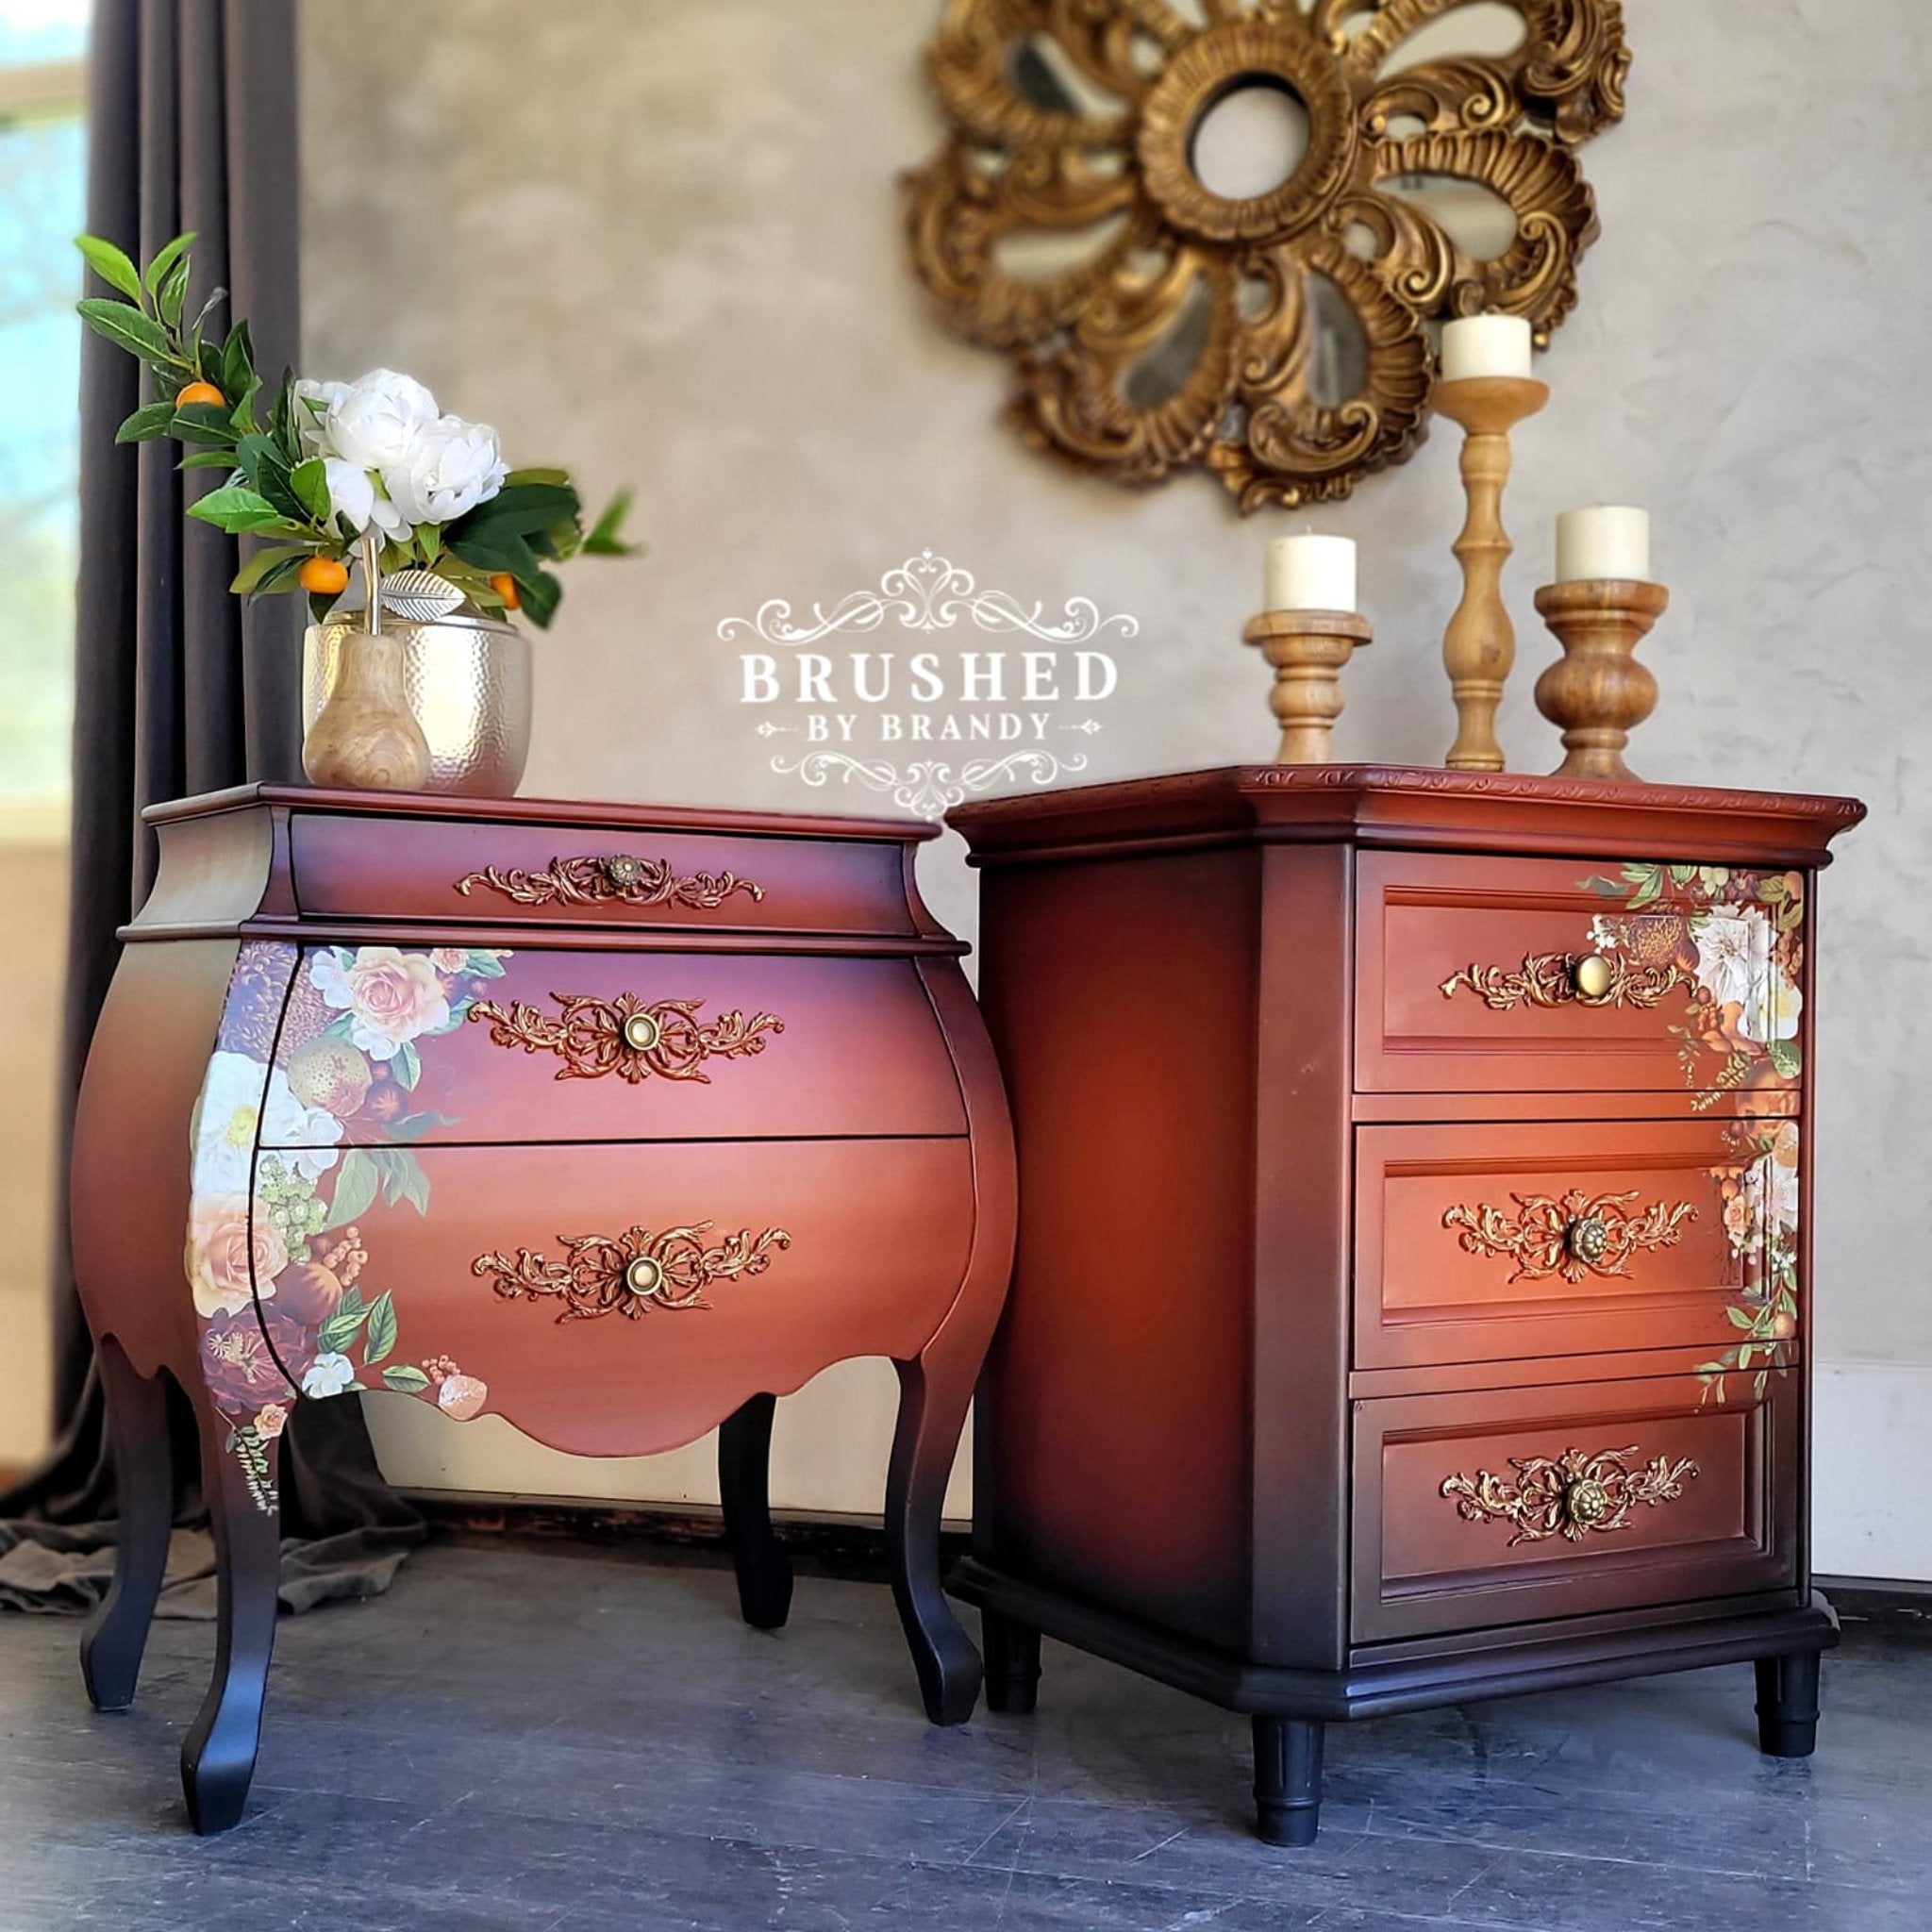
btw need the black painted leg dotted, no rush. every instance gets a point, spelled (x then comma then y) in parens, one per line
(744, 1465)
(217, 1755)
(110, 1647)
(1788, 1704)
(935, 1391)
(1287, 1779)
(1012, 1663)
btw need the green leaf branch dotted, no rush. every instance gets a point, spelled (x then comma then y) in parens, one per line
(205, 394)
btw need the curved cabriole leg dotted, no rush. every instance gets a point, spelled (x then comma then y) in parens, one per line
(1788, 1704)
(116, 1634)
(217, 1755)
(744, 1464)
(934, 1391)
(1012, 1663)
(1287, 1779)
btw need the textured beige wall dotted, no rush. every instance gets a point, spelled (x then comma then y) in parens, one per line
(661, 242)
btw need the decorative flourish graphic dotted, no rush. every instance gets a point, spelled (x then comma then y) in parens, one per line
(1574, 1496)
(622, 875)
(1156, 325)
(925, 787)
(1760, 1208)
(633, 1273)
(1574, 1237)
(927, 594)
(1561, 980)
(626, 1037)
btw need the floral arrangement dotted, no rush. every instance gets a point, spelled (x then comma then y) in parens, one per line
(371, 463)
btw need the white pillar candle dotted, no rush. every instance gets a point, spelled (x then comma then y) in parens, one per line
(1310, 573)
(1485, 345)
(1604, 540)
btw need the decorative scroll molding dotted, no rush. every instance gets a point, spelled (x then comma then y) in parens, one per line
(626, 1037)
(632, 1273)
(622, 876)
(1065, 223)
(927, 786)
(1575, 1237)
(1574, 1496)
(1550, 979)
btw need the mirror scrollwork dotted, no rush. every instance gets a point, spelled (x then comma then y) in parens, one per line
(1220, 233)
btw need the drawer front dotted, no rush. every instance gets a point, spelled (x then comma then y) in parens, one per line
(1487, 1242)
(1552, 975)
(495, 874)
(1509, 1506)
(613, 1300)
(385, 1045)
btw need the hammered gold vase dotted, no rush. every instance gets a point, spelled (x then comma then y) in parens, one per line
(466, 678)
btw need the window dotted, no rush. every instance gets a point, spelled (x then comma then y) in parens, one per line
(43, 197)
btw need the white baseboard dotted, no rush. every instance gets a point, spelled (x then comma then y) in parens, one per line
(1872, 1437)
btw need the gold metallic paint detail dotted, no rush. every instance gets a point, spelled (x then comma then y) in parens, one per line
(626, 1037)
(1572, 1496)
(1104, 159)
(633, 1273)
(1577, 1235)
(622, 876)
(1561, 980)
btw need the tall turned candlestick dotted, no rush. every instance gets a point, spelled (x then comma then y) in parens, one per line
(1479, 648)
(1597, 692)
(1308, 649)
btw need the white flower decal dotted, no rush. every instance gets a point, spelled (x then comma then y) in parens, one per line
(329, 1375)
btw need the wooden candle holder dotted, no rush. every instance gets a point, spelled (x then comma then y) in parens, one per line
(1597, 692)
(1479, 647)
(1308, 649)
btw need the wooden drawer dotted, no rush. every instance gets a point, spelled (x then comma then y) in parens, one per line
(1554, 976)
(1485, 1242)
(495, 874)
(1517, 1504)
(381, 1045)
(618, 1300)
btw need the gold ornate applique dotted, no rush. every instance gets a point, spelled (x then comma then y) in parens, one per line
(1562, 979)
(632, 1273)
(1575, 1235)
(622, 876)
(1572, 1496)
(627, 1036)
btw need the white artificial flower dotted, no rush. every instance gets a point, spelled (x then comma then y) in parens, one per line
(314, 404)
(372, 423)
(449, 467)
(358, 496)
(328, 1375)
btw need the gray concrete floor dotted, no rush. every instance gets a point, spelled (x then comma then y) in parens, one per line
(566, 1739)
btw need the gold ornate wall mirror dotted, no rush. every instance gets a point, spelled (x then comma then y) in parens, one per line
(1223, 233)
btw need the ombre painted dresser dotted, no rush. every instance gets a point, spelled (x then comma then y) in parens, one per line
(616, 1123)
(1413, 1294)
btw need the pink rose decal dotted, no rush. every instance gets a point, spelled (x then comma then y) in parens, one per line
(224, 1263)
(391, 996)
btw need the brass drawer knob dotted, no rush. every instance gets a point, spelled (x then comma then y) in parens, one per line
(643, 1276)
(1572, 1495)
(1588, 1238)
(642, 1032)
(1593, 975)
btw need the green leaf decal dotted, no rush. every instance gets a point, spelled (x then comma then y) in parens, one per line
(406, 1066)
(356, 1180)
(339, 1332)
(382, 1330)
(404, 1378)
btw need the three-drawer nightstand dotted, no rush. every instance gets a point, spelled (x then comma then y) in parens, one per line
(616, 1123)
(1412, 1292)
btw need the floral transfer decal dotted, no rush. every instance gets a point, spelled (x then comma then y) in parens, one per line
(274, 1257)
(1740, 938)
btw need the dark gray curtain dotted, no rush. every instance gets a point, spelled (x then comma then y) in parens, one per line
(179, 689)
